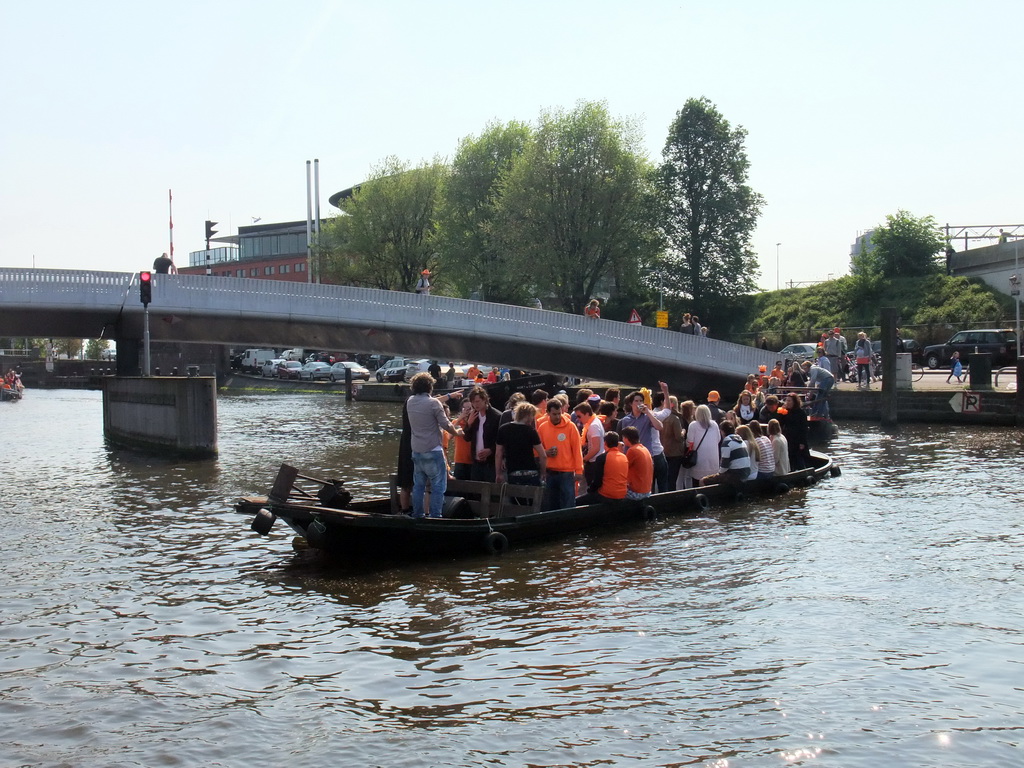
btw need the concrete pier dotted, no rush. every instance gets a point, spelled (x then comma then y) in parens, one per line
(165, 414)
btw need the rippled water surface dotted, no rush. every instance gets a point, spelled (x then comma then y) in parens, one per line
(873, 620)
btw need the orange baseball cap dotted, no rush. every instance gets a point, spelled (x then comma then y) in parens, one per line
(713, 396)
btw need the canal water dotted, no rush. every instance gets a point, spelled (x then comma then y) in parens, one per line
(875, 619)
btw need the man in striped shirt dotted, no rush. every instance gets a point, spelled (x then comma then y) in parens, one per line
(734, 459)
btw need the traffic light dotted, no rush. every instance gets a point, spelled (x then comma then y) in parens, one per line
(210, 231)
(146, 287)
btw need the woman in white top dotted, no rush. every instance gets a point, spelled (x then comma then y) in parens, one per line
(703, 436)
(780, 446)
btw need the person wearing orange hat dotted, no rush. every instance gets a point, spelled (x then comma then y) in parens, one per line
(423, 284)
(717, 414)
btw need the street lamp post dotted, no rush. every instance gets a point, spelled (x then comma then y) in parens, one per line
(777, 265)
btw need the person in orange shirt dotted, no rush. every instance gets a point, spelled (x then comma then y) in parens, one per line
(641, 466)
(561, 441)
(611, 474)
(462, 465)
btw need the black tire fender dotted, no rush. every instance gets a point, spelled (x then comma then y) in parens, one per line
(316, 534)
(496, 543)
(703, 502)
(650, 514)
(835, 471)
(263, 522)
(781, 488)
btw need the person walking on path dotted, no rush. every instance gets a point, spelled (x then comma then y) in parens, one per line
(956, 368)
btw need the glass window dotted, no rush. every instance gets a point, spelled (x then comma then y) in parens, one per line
(300, 267)
(268, 270)
(253, 272)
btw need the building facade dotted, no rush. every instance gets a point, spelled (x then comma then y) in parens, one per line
(263, 251)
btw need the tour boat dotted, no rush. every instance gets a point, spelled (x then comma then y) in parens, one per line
(478, 517)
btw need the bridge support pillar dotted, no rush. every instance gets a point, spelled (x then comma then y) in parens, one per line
(164, 414)
(128, 358)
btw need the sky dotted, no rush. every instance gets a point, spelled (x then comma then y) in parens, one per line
(854, 110)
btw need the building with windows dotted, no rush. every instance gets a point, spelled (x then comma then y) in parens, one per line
(263, 251)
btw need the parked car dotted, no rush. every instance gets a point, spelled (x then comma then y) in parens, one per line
(423, 366)
(270, 367)
(999, 342)
(799, 352)
(392, 370)
(315, 371)
(910, 346)
(358, 371)
(288, 369)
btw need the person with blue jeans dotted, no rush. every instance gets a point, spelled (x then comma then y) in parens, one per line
(426, 420)
(822, 380)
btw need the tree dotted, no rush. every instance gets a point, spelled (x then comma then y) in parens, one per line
(71, 348)
(575, 204)
(383, 237)
(467, 238)
(905, 246)
(708, 211)
(94, 349)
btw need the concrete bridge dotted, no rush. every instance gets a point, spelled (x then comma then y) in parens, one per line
(248, 312)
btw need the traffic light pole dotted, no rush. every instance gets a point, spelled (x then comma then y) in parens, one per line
(145, 341)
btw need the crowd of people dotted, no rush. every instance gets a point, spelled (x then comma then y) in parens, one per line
(600, 448)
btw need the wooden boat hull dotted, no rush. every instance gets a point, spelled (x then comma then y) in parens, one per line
(372, 530)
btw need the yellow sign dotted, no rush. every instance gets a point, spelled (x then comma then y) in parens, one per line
(661, 318)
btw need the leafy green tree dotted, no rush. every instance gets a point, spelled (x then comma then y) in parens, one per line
(72, 348)
(709, 211)
(94, 349)
(383, 239)
(575, 205)
(905, 246)
(467, 232)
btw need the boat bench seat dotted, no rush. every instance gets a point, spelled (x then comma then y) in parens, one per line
(487, 499)
(497, 499)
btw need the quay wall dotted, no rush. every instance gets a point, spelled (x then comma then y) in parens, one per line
(948, 406)
(166, 414)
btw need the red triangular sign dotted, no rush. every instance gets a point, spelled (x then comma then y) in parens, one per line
(634, 317)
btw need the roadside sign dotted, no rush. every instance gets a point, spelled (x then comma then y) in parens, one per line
(634, 317)
(661, 318)
(966, 402)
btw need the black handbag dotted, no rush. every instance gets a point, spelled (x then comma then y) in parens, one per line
(690, 454)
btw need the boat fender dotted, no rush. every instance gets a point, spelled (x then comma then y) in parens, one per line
(835, 471)
(782, 488)
(650, 514)
(263, 522)
(740, 497)
(703, 502)
(495, 543)
(316, 534)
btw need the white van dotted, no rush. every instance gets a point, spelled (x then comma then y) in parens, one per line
(253, 359)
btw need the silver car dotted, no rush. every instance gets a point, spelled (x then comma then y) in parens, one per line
(358, 371)
(269, 369)
(315, 371)
(799, 352)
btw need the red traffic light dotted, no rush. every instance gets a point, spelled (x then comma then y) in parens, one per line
(146, 287)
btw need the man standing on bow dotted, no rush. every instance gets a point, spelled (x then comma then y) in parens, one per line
(426, 420)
